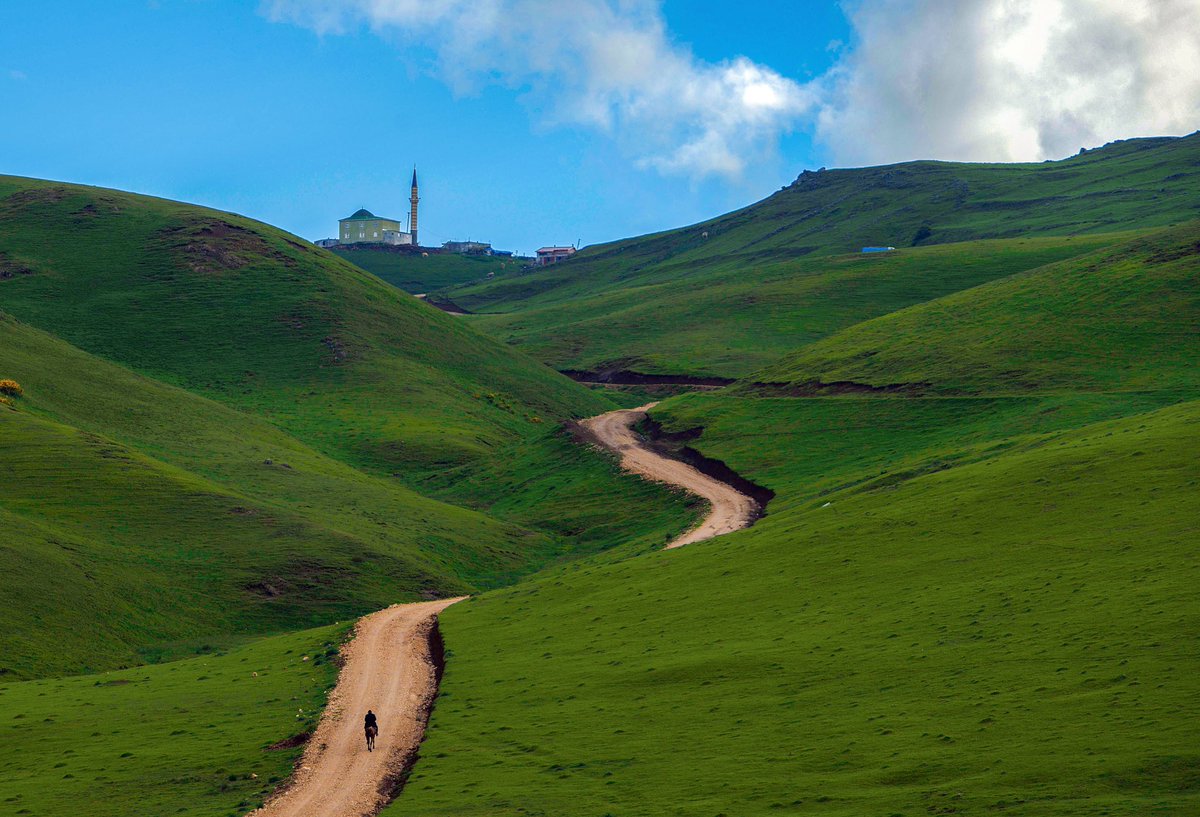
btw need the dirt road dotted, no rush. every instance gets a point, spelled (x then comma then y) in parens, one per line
(731, 509)
(388, 669)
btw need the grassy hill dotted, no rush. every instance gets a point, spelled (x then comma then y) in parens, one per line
(973, 592)
(995, 624)
(786, 271)
(199, 736)
(226, 433)
(1119, 318)
(419, 274)
(967, 604)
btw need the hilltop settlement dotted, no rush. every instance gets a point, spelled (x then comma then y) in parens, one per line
(365, 230)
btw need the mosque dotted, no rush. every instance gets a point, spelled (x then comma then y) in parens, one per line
(364, 227)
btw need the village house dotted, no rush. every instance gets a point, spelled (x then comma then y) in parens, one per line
(468, 247)
(552, 255)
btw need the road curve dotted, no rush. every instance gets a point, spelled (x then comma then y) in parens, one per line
(388, 668)
(730, 509)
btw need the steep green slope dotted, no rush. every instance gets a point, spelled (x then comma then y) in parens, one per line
(1004, 629)
(249, 315)
(1119, 318)
(179, 519)
(419, 274)
(185, 737)
(271, 478)
(763, 274)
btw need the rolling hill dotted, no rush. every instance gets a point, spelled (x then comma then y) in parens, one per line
(728, 296)
(419, 274)
(969, 601)
(226, 432)
(972, 592)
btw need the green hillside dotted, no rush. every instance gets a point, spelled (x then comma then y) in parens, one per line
(191, 468)
(967, 604)
(995, 623)
(973, 592)
(235, 310)
(191, 736)
(1119, 318)
(779, 273)
(419, 274)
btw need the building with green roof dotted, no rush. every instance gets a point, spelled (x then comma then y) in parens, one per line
(364, 227)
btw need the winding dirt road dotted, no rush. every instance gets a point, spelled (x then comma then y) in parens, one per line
(390, 670)
(730, 509)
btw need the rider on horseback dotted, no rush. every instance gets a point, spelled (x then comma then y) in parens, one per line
(371, 727)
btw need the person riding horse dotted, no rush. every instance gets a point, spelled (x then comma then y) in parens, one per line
(371, 727)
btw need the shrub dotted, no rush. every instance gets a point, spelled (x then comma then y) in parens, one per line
(11, 388)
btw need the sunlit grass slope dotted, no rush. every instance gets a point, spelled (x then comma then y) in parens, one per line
(727, 319)
(776, 272)
(978, 603)
(1001, 621)
(419, 274)
(1122, 317)
(187, 737)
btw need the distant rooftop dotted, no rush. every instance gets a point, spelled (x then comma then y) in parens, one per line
(366, 215)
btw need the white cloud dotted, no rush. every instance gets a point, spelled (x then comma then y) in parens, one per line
(979, 80)
(608, 64)
(1009, 80)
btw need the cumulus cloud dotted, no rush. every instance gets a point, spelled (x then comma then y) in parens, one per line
(608, 64)
(978, 80)
(1009, 80)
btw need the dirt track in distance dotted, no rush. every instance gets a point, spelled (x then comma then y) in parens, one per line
(388, 669)
(730, 509)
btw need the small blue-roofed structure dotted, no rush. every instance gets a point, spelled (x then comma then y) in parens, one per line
(878, 249)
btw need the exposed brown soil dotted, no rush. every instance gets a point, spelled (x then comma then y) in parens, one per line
(625, 377)
(818, 388)
(212, 246)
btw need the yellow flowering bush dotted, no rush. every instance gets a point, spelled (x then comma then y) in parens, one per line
(11, 388)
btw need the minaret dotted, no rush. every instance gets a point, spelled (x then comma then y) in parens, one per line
(412, 218)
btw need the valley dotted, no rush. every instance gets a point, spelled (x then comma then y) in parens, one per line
(970, 591)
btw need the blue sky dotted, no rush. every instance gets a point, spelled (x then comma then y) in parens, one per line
(211, 102)
(297, 115)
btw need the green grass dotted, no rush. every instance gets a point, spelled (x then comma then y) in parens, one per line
(188, 467)
(1012, 631)
(419, 274)
(183, 737)
(728, 319)
(956, 604)
(776, 275)
(976, 600)
(1122, 317)
(248, 315)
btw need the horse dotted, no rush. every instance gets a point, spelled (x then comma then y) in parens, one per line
(372, 731)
